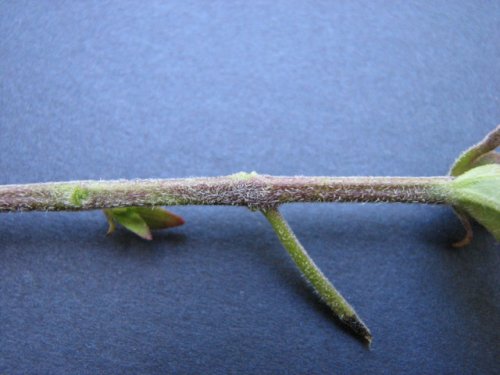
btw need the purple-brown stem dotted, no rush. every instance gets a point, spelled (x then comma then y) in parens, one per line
(241, 189)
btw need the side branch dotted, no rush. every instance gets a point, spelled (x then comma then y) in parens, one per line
(331, 296)
(242, 189)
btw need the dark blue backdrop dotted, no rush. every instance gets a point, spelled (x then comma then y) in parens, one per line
(129, 89)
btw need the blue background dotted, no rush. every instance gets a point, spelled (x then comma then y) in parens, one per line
(126, 89)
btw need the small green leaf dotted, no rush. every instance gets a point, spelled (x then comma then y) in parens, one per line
(141, 220)
(158, 217)
(477, 192)
(134, 223)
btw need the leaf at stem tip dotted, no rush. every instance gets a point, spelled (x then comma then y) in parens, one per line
(141, 220)
(477, 192)
(479, 154)
(491, 157)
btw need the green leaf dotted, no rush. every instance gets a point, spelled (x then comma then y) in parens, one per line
(159, 218)
(134, 223)
(140, 220)
(470, 158)
(491, 157)
(477, 192)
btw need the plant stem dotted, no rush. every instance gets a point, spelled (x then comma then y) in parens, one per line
(340, 307)
(243, 189)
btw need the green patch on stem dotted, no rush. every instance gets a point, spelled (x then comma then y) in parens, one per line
(78, 196)
(242, 176)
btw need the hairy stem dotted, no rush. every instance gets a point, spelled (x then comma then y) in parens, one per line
(243, 189)
(340, 307)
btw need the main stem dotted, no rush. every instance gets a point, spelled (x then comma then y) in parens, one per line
(242, 189)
